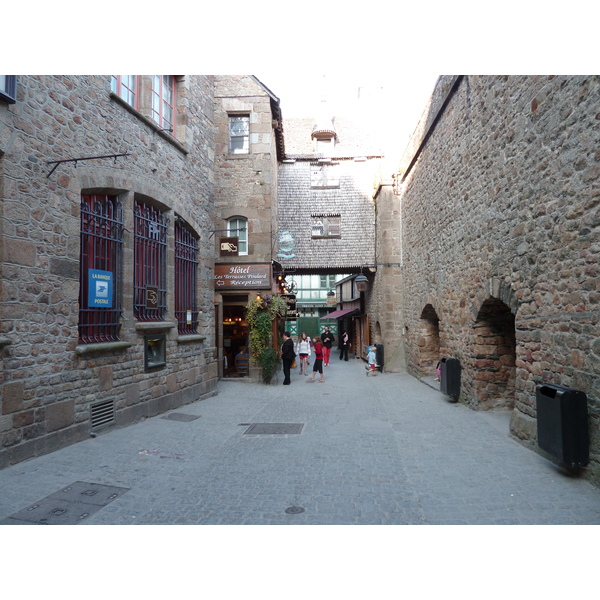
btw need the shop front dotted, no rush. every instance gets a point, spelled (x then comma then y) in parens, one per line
(351, 315)
(235, 285)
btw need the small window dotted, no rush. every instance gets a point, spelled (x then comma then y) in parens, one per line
(324, 145)
(326, 226)
(239, 134)
(238, 226)
(163, 101)
(125, 86)
(327, 281)
(324, 176)
(8, 88)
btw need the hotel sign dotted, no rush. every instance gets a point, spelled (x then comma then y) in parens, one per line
(243, 276)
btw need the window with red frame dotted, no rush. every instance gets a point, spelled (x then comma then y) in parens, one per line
(101, 237)
(163, 101)
(125, 86)
(150, 263)
(186, 275)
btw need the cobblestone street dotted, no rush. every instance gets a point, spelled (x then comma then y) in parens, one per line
(386, 450)
(389, 450)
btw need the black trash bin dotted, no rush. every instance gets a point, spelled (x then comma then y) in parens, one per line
(562, 423)
(450, 377)
(379, 356)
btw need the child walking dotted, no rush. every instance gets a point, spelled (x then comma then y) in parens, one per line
(372, 360)
(318, 364)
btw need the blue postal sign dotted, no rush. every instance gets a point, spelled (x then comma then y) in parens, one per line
(100, 288)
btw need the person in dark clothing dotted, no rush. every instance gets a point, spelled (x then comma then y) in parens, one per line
(327, 339)
(287, 356)
(344, 343)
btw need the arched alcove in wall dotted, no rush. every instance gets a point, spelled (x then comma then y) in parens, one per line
(494, 356)
(428, 340)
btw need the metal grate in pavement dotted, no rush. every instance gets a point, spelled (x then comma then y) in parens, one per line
(274, 429)
(68, 506)
(184, 418)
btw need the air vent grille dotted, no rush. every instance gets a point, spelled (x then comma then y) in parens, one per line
(102, 413)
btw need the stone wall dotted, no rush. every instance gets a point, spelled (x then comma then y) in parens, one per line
(48, 380)
(501, 244)
(246, 184)
(386, 295)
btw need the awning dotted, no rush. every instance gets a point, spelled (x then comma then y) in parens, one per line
(336, 314)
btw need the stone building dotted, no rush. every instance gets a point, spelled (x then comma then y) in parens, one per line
(326, 210)
(498, 201)
(107, 187)
(249, 146)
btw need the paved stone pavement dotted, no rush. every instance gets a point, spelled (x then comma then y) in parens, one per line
(385, 450)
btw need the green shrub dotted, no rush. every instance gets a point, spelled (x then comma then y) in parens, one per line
(260, 314)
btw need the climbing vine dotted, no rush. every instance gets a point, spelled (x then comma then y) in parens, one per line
(260, 314)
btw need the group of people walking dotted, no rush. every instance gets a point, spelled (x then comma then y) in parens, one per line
(321, 346)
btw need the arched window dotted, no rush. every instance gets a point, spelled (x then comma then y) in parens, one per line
(150, 263)
(238, 227)
(101, 268)
(186, 278)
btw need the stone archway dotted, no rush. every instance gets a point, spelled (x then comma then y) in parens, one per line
(428, 340)
(494, 356)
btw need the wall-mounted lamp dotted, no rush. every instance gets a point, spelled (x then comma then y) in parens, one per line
(361, 283)
(331, 300)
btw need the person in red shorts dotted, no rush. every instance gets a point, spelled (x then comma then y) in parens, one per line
(327, 339)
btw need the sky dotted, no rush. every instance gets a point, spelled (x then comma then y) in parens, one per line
(300, 93)
(403, 97)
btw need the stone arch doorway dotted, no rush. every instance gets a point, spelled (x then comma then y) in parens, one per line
(428, 346)
(494, 356)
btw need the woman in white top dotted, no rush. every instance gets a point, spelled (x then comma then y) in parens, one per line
(303, 350)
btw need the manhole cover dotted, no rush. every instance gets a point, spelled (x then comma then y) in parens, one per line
(180, 417)
(294, 510)
(274, 429)
(68, 506)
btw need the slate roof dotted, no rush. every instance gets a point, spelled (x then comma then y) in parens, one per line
(352, 200)
(352, 138)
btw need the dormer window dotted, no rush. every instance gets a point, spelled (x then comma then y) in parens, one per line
(324, 136)
(324, 145)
